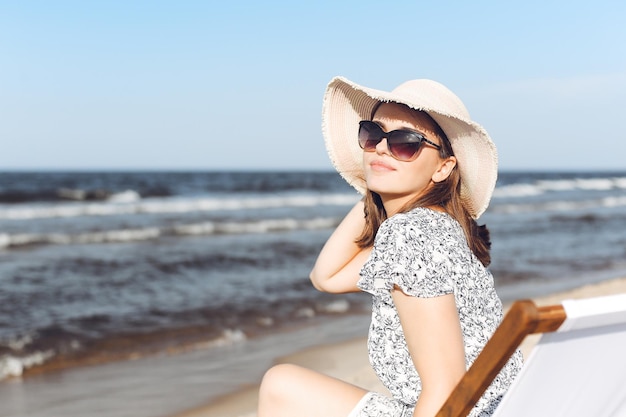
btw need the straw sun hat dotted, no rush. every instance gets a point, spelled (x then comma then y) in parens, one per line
(347, 103)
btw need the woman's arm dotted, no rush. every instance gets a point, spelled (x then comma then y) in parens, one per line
(339, 263)
(433, 333)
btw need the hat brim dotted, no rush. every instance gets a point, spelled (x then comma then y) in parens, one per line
(346, 104)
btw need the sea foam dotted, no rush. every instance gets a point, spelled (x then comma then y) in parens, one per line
(127, 205)
(151, 233)
(14, 366)
(542, 186)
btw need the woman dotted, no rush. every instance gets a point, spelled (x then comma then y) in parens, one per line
(427, 172)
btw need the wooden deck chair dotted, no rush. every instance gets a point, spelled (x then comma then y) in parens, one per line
(577, 368)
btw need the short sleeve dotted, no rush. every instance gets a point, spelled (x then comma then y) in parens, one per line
(411, 252)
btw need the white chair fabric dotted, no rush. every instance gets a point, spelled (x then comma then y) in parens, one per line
(579, 370)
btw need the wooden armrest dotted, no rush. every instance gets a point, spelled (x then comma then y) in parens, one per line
(523, 318)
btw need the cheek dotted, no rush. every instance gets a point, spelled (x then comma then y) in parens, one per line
(422, 170)
(419, 178)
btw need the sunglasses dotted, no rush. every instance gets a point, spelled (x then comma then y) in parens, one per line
(403, 144)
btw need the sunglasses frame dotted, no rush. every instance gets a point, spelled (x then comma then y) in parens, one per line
(390, 144)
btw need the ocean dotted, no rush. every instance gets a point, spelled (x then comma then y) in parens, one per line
(101, 267)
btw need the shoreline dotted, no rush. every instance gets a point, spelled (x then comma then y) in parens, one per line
(348, 360)
(221, 382)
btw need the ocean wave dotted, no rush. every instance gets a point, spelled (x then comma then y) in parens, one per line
(14, 366)
(261, 226)
(110, 236)
(78, 194)
(229, 337)
(205, 328)
(129, 202)
(559, 206)
(125, 204)
(64, 194)
(151, 233)
(543, 186)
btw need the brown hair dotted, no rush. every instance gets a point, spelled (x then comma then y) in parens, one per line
(445, 194)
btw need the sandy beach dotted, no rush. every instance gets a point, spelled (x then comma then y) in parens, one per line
(348, 360)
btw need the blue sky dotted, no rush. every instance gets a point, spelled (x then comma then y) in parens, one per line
(238, 85)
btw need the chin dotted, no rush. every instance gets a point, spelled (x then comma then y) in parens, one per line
(384, 191)
(383, 184)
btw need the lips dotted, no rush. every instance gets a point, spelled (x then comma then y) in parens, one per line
(381, 166)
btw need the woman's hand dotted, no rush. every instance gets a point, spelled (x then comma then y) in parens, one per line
(340, 261)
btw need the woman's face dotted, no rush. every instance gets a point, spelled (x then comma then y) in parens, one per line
(398, 182)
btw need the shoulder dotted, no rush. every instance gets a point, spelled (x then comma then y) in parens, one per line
(420, 221)
(432, 234)
(414, 251)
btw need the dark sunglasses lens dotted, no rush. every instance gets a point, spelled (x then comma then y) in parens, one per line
(370, 135)
(403, 146)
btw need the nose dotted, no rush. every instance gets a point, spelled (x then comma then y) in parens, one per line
(381, 147)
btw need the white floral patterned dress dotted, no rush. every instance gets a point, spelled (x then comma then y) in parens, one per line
(425, 253)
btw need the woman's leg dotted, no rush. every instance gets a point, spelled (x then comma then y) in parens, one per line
(292, 391)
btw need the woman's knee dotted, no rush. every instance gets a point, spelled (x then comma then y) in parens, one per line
(278, 378)
(279, 391)
(288, 389)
